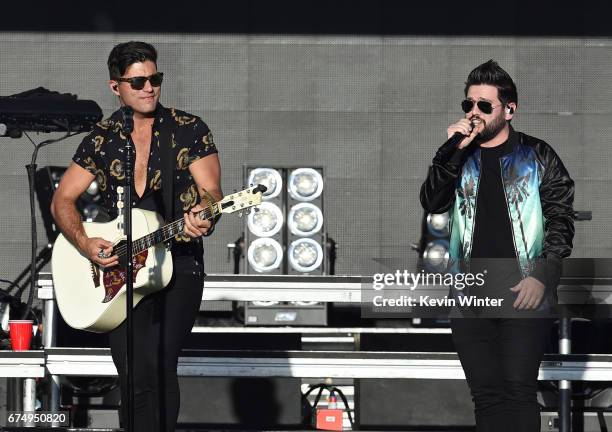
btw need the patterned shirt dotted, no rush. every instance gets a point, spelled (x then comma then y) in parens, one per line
(102, 153)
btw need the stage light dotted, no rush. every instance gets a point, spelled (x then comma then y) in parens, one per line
(286, 236)
(305, 184)
(56, 174)
(265, 254)
(438, 224)
(268, 177)
(294, 209)
(264, 303)
(267, 221)
(88, 204)
(305, 219)
(93, 188)
(435, 256)
(305, 255)
(90, 212)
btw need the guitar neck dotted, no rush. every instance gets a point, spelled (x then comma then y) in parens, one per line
(170, 230)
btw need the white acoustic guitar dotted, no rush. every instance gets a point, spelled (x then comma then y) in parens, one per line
(91, 298)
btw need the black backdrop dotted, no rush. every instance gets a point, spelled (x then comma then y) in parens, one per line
(365, 17)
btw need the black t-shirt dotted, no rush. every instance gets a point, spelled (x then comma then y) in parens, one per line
(493, 245)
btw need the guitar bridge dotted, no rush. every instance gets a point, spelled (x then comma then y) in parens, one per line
(95, 274)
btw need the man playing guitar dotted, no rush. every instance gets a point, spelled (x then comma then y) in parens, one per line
(163, 319)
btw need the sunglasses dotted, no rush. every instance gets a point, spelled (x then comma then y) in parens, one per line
(138, 83)
(484, 106)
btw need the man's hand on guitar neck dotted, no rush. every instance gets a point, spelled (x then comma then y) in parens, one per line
(195, 226)
(99, 251)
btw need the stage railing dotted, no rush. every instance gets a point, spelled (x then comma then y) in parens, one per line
(338, 289)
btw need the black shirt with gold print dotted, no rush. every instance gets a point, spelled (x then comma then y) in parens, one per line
(102, 153)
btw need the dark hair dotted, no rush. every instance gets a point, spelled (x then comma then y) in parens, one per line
(492, 74)
(128, 53)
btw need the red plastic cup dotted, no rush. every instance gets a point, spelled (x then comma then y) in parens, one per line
(21, 334)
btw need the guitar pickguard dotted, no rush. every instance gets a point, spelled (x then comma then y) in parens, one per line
(115, 279)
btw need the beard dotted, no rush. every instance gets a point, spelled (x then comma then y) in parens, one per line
(492, 128)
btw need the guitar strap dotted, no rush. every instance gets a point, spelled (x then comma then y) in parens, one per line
(166, 129)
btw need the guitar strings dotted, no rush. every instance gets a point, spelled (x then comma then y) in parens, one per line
(122, 250)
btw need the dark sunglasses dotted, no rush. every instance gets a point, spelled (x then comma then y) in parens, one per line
(484, 106)
(138, 83)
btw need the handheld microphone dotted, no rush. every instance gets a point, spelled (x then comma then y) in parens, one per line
(458, 136)
(456, 139)
(127, 114)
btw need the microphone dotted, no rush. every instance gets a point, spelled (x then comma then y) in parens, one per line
(127, 113)
(455, 139)
(458, 136)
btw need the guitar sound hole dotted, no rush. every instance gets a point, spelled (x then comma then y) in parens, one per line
(120, 249)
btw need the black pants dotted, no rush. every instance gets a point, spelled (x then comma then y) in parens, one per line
(501, 358)
(161, 323)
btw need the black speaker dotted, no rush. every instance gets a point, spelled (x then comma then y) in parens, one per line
(246, 403)
(249, 403)
(89, 203)
(399, 403)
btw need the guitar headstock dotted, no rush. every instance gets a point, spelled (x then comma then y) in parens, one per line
(242, 200)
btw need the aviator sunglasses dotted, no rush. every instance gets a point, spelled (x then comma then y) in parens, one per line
(138, 83)
(484, 106)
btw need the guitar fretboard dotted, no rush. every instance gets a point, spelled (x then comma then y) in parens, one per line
(165, 233)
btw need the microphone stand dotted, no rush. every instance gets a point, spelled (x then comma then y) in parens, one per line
(128, 127)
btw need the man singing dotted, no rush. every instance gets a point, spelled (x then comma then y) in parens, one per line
(511, 217)
(175, 162)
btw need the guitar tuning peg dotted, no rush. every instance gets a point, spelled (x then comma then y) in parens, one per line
(240, 214)
(248, 211)
(256, 209)
(235, 190)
